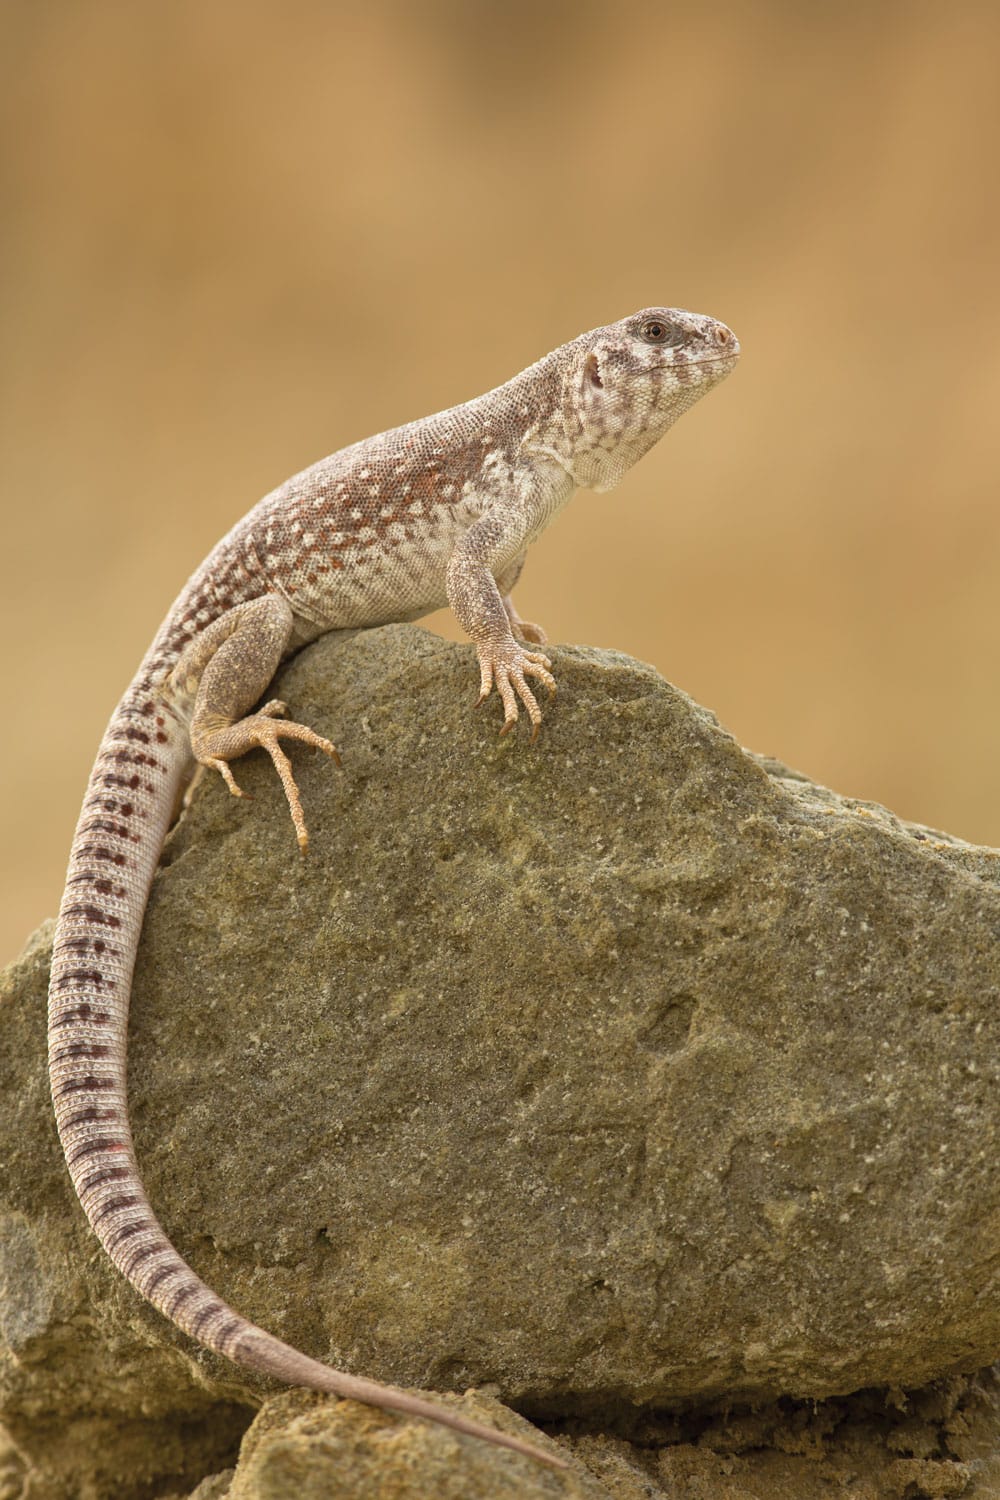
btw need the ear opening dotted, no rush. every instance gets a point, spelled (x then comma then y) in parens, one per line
(592, 371)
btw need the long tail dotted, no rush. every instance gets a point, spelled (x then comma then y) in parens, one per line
(133, 788)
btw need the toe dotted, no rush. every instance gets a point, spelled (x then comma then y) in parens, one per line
(530, 702)
(509, 700)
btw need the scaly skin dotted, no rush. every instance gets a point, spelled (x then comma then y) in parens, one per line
(441, 510)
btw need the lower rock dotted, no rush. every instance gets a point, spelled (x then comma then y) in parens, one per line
(626, 1070)
(308, 1446)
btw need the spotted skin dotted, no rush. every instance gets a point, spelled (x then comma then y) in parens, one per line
(439, 511)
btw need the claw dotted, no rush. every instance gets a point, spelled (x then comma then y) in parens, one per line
(222, 767)
(507, 667)
(263, 729)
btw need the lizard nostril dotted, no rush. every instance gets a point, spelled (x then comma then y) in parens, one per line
(722, 334)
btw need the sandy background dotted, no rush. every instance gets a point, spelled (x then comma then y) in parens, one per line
(238, 236)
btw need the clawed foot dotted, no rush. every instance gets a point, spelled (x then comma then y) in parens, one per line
(507, 666)
(263, 729)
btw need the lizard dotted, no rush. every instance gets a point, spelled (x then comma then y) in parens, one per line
(388, 529)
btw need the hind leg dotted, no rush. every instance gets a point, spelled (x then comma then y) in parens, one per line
(226, 669)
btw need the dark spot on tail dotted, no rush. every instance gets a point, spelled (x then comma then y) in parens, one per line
(82, 1012)
(91, 1116)
(80, 945)
(101, 884)
(94, 914)
(115, 1205)
(83, 1085)
(203, 1317)
(143, 1253)
(91, 1148)
(227, 1335)
(161, 1275)
(117, 830)
(79, 976)
(125, 1232)
(132, 783)
(107, 1174)
(189, 1289)
(98, 851)
(91, 1050)
(136, 758)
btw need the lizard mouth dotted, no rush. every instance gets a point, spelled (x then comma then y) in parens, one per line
(724, 357)
(711, 362)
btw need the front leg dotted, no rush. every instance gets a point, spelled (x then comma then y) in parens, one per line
(525, 630)
(226, 670)
(482, 553)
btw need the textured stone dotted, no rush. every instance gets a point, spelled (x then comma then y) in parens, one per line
(624, 1070)
(214, 1487)
(930, 1445)
(311, 1447)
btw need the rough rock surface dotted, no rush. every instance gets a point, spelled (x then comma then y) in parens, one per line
(312, 1448)
(627, 1070)
(940, 1442)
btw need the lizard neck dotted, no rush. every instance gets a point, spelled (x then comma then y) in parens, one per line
(560, 436)
(596, 467)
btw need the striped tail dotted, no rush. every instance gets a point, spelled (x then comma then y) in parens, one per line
(142, 763)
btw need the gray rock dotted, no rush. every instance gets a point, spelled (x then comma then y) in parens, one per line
(625, 1069)
(310, 1447)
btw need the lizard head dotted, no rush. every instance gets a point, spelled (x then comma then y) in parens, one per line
(630, 381)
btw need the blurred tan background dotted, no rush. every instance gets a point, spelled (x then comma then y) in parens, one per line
(240, 235)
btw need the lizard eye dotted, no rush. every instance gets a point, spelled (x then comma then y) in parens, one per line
(656, 332)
